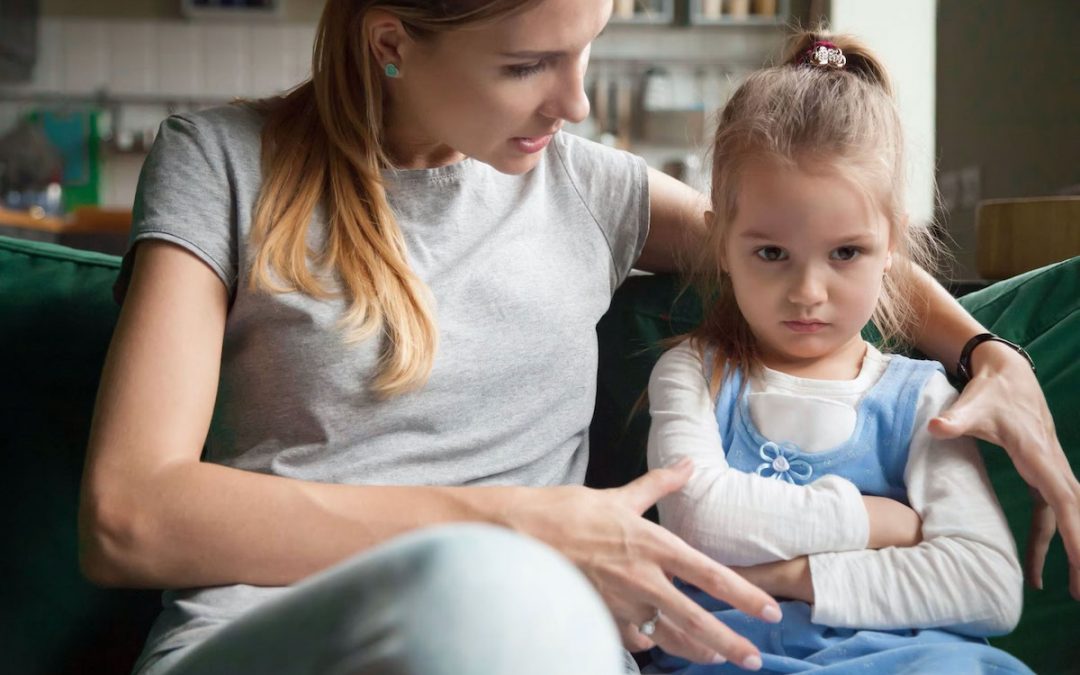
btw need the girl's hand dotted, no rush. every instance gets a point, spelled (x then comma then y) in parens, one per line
(631, 562)
(1003, 404)
(891, 523)
(783, 578)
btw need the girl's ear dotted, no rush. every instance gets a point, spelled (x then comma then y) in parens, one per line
(901, 231)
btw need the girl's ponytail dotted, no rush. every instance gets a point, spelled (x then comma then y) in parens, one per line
(804, 50)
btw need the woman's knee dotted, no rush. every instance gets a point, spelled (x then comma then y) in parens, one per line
(481, 599)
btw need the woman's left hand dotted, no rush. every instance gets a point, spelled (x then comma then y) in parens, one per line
(1004, 405)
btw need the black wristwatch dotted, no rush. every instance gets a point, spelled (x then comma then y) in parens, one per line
(963, 366)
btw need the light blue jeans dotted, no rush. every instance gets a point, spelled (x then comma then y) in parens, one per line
(464, 599)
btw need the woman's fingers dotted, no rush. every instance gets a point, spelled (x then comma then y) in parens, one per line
(648, 489)
(682, 617)
(720, 582)
(632, 638)
(1006, 407)
(1039, 536)
(676, 641)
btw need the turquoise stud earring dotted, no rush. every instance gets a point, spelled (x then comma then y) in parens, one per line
(392, 70)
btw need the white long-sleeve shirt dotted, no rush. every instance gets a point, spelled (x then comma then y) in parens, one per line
(964, 575)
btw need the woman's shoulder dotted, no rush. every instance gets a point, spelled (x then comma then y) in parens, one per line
(232, 126)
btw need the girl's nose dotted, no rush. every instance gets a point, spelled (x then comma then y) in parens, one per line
(807, 289)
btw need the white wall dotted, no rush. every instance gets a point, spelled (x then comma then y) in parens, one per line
(904, 35)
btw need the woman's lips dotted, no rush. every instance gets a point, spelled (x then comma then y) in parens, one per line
(532, 144)
(805, 326)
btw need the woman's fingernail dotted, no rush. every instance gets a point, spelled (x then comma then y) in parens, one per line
(752, 662)
(685, 461)
(717, 659)
(772, 614)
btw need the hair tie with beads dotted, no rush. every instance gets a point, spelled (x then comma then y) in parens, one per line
(824, 54)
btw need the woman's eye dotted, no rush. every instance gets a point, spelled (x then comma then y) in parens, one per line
(526, 69)
(771, 253)
(845, 253)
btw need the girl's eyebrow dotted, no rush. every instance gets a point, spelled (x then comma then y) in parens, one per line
(754, 234)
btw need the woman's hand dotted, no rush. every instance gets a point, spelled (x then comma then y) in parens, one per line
(1003, 404)
(631, 562)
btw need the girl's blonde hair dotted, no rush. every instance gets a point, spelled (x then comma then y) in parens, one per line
(800, 115)
(322, 144)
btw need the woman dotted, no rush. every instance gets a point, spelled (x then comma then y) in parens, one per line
(431, 362)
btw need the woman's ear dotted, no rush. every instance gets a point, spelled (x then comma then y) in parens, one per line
(387, 40)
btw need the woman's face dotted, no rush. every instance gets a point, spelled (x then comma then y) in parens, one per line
(497, 92)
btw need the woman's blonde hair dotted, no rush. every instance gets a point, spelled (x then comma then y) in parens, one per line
(841, 119)
(322, 144)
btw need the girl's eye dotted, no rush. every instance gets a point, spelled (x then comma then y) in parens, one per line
(845, 253)
(527, 69)
(771, 253)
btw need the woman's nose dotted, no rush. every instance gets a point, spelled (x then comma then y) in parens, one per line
(567, 100)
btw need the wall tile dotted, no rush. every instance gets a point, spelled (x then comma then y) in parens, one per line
(49, 68)
(180, 59)
(85, 55)
(271, 63)
(225, 71)
(133, 49)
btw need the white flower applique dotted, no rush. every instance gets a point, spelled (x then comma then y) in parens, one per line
(782, 463)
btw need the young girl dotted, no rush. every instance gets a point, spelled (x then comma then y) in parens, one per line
(776, 389)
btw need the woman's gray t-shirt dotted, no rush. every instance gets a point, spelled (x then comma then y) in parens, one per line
(521, 268)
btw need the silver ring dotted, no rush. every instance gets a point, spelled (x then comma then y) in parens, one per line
(649, 627)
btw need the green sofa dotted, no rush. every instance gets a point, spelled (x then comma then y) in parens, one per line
(56, 317)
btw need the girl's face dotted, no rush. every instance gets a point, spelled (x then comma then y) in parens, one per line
(495, 92)
(807, 254)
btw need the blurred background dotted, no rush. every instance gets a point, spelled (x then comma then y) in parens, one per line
(988, 90)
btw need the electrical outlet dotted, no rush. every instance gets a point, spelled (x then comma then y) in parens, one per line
(949, 188)
(970, 187)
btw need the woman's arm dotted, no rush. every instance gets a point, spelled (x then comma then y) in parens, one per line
(1003, 404)
(742, 519)
(964, 575)
(151, 514)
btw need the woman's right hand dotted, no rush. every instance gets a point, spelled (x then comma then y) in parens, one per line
(631, 562)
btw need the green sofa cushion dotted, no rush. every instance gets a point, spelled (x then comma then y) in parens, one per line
(56, 318)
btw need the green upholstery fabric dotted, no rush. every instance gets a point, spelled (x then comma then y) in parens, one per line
(56, 317)
(1041, 311)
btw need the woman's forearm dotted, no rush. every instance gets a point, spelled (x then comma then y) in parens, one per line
(201, 524)
(941, 324)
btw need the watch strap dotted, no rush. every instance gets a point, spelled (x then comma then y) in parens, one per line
(963, 366)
